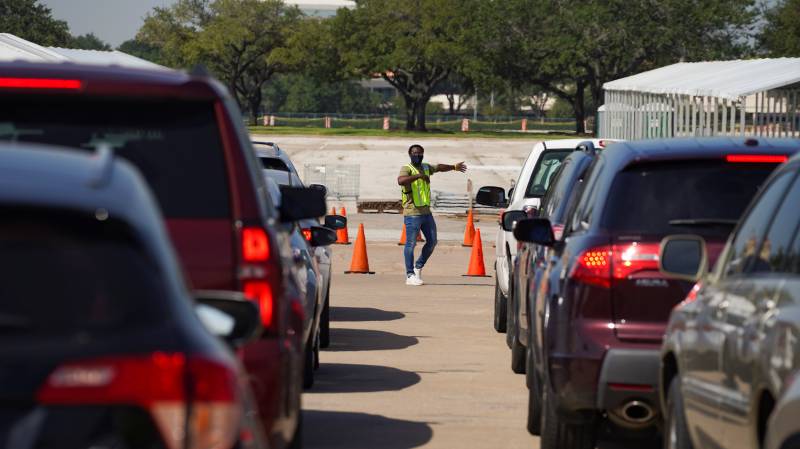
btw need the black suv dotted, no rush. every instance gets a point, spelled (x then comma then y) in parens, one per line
(602, 304)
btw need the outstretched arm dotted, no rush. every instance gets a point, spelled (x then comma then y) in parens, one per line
(459, 166)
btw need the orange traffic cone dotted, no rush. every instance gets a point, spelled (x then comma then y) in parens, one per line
(469, 232)
(342, 238)
(403, 237)
(360, 262)
(476, 267)
(333, 210)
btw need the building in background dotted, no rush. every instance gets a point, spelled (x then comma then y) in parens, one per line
(321, 8)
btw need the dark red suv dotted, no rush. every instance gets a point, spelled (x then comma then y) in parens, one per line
(602, 304)
(185, 134)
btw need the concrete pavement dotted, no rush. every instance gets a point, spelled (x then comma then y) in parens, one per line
(414, 366)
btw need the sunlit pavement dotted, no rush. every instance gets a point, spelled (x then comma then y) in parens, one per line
(415, 366)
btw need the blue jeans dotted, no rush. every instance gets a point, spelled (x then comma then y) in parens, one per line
(414, 224)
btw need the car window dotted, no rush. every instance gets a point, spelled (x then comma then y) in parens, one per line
(175, 144)
(745, 242)
(96, 279)
(705, 197)
(774, 248)
(582, 216)
(544, 172)
(555, 192)
(273, 163)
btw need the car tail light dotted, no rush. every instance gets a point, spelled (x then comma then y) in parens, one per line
(757, 158)
(558, 231)
(307, 234)
(193, 401)
(601, 265)
(529, 210)
(40, 83)
(259, 280)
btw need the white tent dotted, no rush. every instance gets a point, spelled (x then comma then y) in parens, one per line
(13, 48)
(744, 97)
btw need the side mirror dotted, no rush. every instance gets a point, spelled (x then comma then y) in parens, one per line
(683, 257)
(319, 187)
(228, 315)
(298, 203)
(491, 196)
(510, 218)
(321, 236)
(535, 230)
(335, 222)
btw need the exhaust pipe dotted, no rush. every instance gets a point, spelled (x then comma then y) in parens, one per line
(634, 415)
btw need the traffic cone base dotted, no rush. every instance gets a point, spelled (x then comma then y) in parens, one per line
(360, 262)
(476, 267)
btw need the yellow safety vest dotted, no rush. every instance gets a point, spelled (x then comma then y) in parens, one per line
(420, 190)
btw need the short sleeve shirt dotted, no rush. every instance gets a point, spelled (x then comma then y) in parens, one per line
(409, 209)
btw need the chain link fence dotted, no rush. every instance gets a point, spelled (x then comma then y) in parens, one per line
(343, 181)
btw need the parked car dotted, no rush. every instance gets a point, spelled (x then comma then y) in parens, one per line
(185, 134)
(274, 159)
(534, 178)
(102, 343)
(304, 242)
(602, 304)
(728, 368)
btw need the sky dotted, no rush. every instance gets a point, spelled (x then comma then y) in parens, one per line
(116, 21)
(113, 21)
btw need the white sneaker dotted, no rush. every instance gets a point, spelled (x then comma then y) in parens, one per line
(412, 279)
(418, 273)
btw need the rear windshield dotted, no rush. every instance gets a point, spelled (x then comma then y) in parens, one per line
(544, 172)
(175, 144)
(273, 163)
(703, 197)
(73, 278)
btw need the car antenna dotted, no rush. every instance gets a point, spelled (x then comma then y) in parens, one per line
(102, 164)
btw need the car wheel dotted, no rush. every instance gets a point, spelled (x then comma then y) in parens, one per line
(676, 434)
(499, 308)
(511, 317)
(325, 322)
(517, 356)
(297, 438)
(534, 395)
(562, 432)
(308, 365)
(316, 351)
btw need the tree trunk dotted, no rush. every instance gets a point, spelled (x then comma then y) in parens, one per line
(254, 101)
(451, 100)
(411, 113)
(421, 114)
(598, 98)
(579, 106)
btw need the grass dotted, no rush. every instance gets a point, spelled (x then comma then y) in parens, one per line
(305, 131)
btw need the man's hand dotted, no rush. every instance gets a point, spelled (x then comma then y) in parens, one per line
(460, 166)
(425, 178)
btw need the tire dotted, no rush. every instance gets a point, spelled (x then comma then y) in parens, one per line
(534, 395)
(511, 317)
(325, 322)
(676, 433)
(499, 308)
(517, 356)
(316, 351)
(308, 364)
(297, 439)
(562, 432)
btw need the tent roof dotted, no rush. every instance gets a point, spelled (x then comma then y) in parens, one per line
(723, 79)
(98, 57)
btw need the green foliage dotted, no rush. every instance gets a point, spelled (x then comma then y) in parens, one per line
(781, 33)
(141, 50)
(34, 22)
(89, 42)
(305, 93)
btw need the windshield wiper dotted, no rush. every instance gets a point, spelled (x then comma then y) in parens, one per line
(703, 222)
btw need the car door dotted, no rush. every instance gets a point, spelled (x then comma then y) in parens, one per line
(709, 387)
(751, 308)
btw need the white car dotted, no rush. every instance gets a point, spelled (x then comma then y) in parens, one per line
(534, 178)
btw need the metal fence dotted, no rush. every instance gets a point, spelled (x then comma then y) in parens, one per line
(341, 180)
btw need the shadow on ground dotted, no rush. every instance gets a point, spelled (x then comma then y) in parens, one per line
(349, 378)
(368, 340)
(347, 430)
(363, 314)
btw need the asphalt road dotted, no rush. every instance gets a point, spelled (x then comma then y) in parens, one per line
(414, 366)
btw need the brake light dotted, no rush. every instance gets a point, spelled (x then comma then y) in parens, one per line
(757, 158)
(558, 231)
(307, 234)
(193, 401)
(40, 83)
(261, 292)
(255, 245)
(600, 265)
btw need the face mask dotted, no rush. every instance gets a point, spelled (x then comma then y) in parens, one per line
(416, 159)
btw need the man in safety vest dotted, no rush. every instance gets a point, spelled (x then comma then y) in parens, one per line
(415, 186)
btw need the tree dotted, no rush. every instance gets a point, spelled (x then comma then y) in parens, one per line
(89, 42)
(458, 89)
(781, 33)
(236, 39)
(141, 49)
(576, 47)
(412, 44)
(34, 22)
